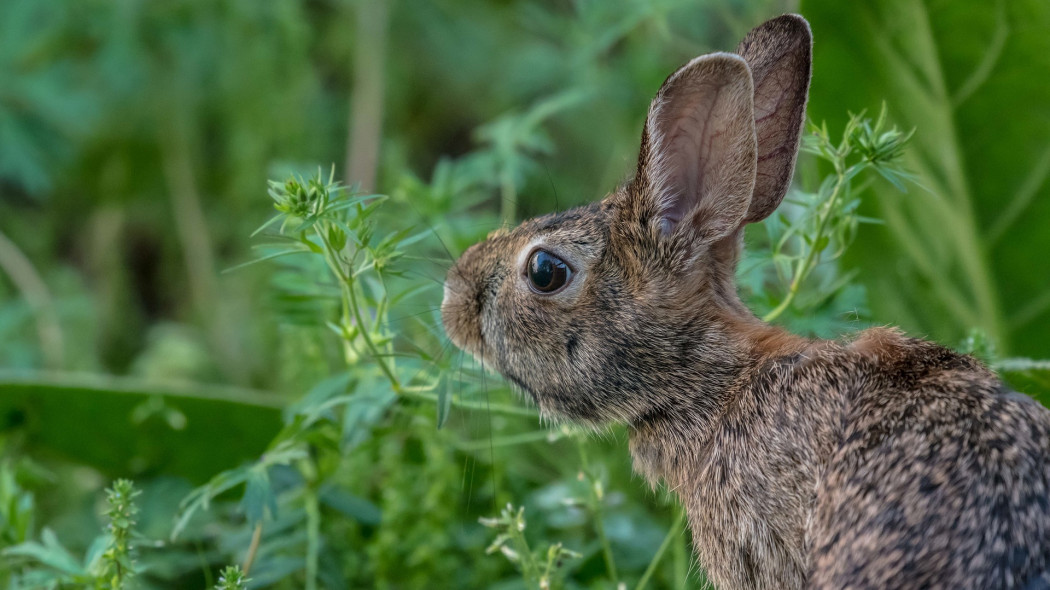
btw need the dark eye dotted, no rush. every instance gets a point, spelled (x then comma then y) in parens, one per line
(547, 273)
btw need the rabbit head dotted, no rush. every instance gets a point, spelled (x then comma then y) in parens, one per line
(618, 309)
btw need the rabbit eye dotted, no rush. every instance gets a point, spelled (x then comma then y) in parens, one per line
(546, 272)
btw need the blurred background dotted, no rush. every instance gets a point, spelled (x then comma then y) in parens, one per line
(136, 138)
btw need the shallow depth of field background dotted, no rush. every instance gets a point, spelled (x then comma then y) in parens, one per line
(136, 138)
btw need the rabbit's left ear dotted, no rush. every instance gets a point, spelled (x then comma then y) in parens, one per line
(696, 168)
(779, 52)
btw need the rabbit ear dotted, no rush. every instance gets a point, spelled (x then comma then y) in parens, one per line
(697, 163)
(779, 52)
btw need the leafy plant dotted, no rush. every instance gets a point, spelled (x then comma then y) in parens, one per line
(108, 563)
(232, 578)
(956, 254)
(307, 410)
(827, 223)
(118, 563)
(541, 567)
(792, 270)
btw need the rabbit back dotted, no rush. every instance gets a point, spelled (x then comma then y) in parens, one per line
(888, 462)
(940, 479)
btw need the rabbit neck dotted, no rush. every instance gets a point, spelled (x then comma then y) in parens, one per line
(671, 435)
(746, 467)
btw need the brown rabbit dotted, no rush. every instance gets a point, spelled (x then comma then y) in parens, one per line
(884, 462)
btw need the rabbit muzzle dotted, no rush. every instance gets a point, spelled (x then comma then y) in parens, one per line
(462, 301)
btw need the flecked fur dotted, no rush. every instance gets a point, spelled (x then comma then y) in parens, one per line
(882, 462)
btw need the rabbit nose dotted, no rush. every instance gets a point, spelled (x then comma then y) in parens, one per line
(459, 311)
(457, 283)
(449, 294)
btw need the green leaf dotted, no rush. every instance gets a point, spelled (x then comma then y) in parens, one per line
(50, 553)
(370, 404)
(355, 507)
(258, 496)
(444, 401)
(270, 256)
(52, 410)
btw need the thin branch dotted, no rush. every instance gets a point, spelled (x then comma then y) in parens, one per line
(1021, 365)
(33, 288)
(313, 536)
(191, 227)
(806, 265)
(1022, 198)
(366, 106)
(253, 548)
(1032, 310)
(991, 56)
(95, 382)
(672, 533)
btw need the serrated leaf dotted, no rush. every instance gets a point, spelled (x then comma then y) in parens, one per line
(258, 496)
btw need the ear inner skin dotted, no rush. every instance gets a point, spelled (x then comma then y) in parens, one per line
(696, 170)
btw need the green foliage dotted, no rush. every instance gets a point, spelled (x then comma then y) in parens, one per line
(17, 508)
(963, 251)
(117, 560)
(827, 220)
(136, 423)
(108, 562)
(540, 567)
(232, 578)
(302, 414)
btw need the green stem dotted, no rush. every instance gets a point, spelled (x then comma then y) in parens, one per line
(514, 439)
(191, 228)
(350, 298)
(508, 198)
(610, 564)
(366, 110)
(681, 563)
(672, 533)
(806, 265)
(33, 288)
(253, 548)
(487, 407)
(313, 536)
(530, 570)
(596, 502)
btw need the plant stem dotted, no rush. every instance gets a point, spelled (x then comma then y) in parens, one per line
(93, 383)
(33, 288)
(610, 563)
(514, 439)
(350, 298)
(253, 548)
(596, 502)
(508, 198)
(191, 227)
(487, 407)
(530, 570)
(366, 109)
(681, 563)
(806, 264)
(313, 536)
(672, 533)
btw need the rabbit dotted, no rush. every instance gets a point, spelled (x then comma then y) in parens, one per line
(879, 461)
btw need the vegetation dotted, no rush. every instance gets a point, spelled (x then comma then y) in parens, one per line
(285, 400)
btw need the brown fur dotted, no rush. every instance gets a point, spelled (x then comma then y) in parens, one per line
(885, 462)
